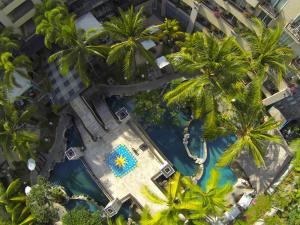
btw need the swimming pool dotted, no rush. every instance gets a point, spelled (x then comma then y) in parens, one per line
(72, 175)
(168, 137)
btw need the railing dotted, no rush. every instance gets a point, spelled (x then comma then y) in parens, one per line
(4, 3)
(294, 30)
(95, 179)
(268, 8)
(21, 10)
(236, 5)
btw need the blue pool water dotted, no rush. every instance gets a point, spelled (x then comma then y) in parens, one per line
(168, 137)
(74, 203)
(130, 161)
(73, 176)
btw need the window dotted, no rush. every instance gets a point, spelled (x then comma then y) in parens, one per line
(278, 4)
(265, 18)
(21, 10)
(296, 23)
(185, 7)
(286, 39)
(4, 3)
(28, 28)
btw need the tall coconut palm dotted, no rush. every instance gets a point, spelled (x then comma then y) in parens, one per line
(14, 138)
(218, 66)
(14, 201)
(127, 31)
(250, 126)
(169, 32)
(268, 55)
(77, 45)
(212, 198)
(178, 203)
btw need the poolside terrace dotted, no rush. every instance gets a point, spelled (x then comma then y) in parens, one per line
(149, 164)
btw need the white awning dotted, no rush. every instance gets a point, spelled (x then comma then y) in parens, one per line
(88, 21)
(23, 85)
(153, 29)
(147, 44)
(233, 213)
(245, 201)
(162, 62)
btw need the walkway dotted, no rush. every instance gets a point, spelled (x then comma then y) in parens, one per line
(88, 117)
(131, 89)
(148, 164)
(104, 112)
(57, 151)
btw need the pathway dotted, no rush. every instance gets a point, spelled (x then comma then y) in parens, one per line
(104, 112)
(88, 117)
(56, 153)
(131, 89)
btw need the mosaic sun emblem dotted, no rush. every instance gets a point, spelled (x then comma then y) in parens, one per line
(120, 161)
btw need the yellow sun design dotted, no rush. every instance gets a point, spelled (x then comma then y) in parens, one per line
(120, 161)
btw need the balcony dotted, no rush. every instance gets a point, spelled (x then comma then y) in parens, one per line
(4, 3)
(21, 10)
(294, 30)
(269, 8)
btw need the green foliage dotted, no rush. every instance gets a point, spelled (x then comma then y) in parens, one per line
(14, 137)
(81, 216)
(150, 110)
(252, 129)
(10, 62)
(170, 32)
(13, 201)
(256, 211)
(213, 197)
(42, 8)
(268, 56)
(41, 199)
(58, 27)
(219, 66)
(185, 200)
(127, 31)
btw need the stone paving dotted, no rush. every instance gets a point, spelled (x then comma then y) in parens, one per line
(149, 165)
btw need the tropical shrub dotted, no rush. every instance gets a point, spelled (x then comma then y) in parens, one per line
(150, 110)
(41, 201)
(81, 216)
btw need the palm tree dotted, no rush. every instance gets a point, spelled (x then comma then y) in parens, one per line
(42, 8)
(127, 31)
(212, 198)
(250, 126)
(268, 55)
(118, 221)
(169, 32)
(14, 202)
(179, 205)
(9, 62)
(14, 138)
(219, 68)
(59, 28)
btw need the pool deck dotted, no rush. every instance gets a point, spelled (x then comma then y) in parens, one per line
(149, 163)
